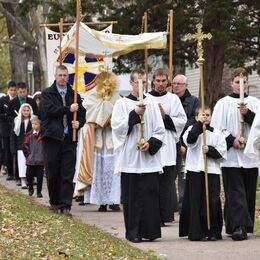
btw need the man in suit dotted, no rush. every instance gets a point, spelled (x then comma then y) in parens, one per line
(22, 97)
(56, 111)
(5, 128)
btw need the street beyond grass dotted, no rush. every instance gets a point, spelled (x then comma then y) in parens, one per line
(30, 231)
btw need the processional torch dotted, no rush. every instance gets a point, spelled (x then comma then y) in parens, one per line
(199, 36)
(142, 140)
(242, 138)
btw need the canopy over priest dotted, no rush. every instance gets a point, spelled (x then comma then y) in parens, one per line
(138, 163)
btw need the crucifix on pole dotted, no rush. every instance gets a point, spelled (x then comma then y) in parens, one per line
(199, 36)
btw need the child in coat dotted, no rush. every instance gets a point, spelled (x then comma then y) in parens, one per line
(33, 151)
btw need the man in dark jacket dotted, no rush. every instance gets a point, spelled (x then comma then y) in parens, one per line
(189, 103)
(56, 111)
(5, 128)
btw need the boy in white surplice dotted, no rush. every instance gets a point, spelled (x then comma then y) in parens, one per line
(139, 168)
(239, 172)
(193, 217)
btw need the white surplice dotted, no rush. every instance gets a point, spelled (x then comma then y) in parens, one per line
(172, 106)
(226, 117)
(252, 148)
(195, 157)
(129, 159)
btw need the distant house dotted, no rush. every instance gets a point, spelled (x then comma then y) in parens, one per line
(194, 77)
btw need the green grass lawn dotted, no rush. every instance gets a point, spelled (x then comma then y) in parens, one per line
(29, 231)
(257, 223)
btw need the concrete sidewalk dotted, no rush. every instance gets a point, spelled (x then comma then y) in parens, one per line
(170, 246)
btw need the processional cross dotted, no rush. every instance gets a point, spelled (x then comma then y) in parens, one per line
(199, 36)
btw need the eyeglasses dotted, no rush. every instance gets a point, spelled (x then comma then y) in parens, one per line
(177, 83)
(238, 82)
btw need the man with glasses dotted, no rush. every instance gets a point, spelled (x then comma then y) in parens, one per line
(239, 172)
(189, 103)
(174, 119)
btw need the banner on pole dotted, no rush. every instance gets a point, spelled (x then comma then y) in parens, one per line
(89, 67)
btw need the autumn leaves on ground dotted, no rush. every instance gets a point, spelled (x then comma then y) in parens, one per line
(29, 231)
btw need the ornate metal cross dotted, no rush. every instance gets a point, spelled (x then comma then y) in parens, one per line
(199, 36)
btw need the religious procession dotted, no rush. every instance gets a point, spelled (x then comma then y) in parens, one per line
(160, 127)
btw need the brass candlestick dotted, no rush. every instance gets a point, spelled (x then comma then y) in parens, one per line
(242, 138)
(142, 140)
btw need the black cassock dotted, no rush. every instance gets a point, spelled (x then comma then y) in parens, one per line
(140, 198)
(240, 195)
(193, 217)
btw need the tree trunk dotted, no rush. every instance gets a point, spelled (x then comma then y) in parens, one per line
(22, 52)
(213, 70)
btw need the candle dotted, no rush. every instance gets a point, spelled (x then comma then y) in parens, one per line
(241, 80)
(140, 85)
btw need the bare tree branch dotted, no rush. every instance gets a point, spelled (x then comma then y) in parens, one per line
(10, 1)
(22, 45)
(26, 35)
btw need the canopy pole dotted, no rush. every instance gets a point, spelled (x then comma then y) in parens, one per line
(78, 18)
(171, 47)
(61, 37)
(146, 52)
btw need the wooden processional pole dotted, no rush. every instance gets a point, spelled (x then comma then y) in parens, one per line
(199, 36)
(171, 46)
(146, 52)
(61, 37)
(78, 19)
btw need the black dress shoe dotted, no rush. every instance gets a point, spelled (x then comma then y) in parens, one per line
(102, 208)
(82, 203)
(30, 192)
(39, 195)
(115, 207)
(239, 233)
(163, 224)
(66, 212)
(24, 188)
(212, 238)
(54, 209)
(9, 178)
(18, 183)
(135, 240)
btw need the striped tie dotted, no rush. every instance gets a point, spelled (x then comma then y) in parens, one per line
(65, 120)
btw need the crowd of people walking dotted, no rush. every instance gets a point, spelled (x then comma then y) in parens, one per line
(108, 150)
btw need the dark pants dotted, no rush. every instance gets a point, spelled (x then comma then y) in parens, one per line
(167, 191)
(34, 171)
(240, 195)
(2, 162)
(140, 197)
(8, 157)
(60, 168)
(181, 183)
